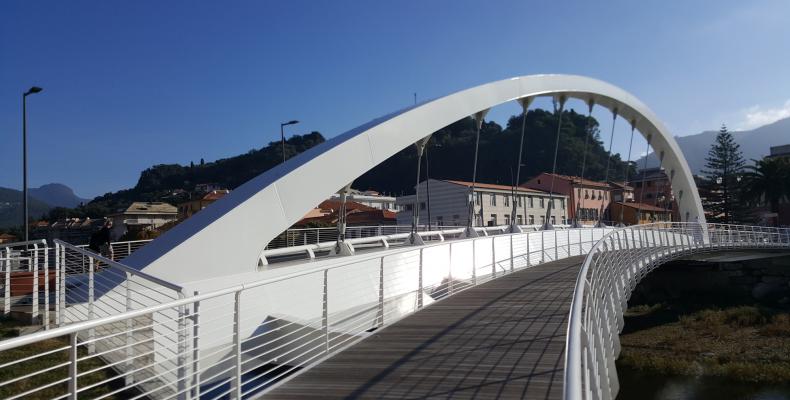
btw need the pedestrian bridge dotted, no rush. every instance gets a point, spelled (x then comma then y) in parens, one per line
(198, 313)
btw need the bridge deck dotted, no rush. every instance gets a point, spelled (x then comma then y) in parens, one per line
(502, 339)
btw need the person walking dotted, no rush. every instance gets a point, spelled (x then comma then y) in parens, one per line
(100, 240)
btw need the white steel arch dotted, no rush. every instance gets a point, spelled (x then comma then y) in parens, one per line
(228, 237)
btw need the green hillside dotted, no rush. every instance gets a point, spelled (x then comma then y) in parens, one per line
(451, 154)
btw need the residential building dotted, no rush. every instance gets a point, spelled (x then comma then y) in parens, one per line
(370, 198)
(328, 212)
(632, 213)
(652, 186)
(7, 238)
(587, 198)
(782, 151)
(449, 204)
(186, 209)
(76, 231)
(207, 187)
(141, 216)
(621, 192)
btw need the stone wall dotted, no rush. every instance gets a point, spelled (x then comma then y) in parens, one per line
(765, 280)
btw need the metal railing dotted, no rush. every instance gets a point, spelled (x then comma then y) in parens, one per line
(240, 341)
(371, 238)
(120, 250)
(611, 271)
(26, 278)
(90, 286)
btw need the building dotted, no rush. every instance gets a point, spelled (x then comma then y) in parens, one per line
(621, 192)
(782, 151)
(328, 212)
(76, 231)
(207, 187)
(638, 213)
(587, 198)
(140, 216)
(188, 208)
(370, 198)
(7, 238)
(652, 186)
(449, 205)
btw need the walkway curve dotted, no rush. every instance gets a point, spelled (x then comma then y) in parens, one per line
(256, 212)
(502, 339)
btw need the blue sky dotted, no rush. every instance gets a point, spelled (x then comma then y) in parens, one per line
(132, 84)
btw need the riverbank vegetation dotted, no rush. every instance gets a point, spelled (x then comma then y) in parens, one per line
(745, 342)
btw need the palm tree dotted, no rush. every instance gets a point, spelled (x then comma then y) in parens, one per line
(768, 181)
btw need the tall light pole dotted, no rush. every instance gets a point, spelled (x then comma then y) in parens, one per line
(282, 134)
(30, 91)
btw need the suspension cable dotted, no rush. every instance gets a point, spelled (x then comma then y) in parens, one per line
(600, 223)
(590, 104)
(660, 164)
(525, 102)
(547, 224)
(470, 218)
(642, 184)
(625, 173)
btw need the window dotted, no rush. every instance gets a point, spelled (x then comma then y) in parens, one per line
(542, 202)
(586, 194)
(519, 200)
(519, 220)
(478, 198)
(507, 200)
(564, 220)
(507, 219)
(492, 222)
(422, 205)
(553, 220)
(532, 220)
(562, 203)
(543, 220)
(493, 199)
(531, 202)
(409, 207)
(579, 192)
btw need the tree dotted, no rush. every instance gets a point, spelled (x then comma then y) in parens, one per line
(723, 170)
(767, 182)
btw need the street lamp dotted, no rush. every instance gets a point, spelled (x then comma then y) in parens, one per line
(32, 90)
(282, 134)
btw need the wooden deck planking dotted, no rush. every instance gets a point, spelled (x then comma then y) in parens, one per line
(503, 339)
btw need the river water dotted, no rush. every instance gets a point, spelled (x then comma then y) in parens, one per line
(639, 386)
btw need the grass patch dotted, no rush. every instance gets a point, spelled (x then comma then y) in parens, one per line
(59, 355)
(744, 343)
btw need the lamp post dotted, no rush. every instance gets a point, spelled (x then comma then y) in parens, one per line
(30, 91)
(282, 134)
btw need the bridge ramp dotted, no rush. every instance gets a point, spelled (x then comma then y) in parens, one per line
(503, 339)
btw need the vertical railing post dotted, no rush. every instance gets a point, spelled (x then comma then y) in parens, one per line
(128, 248)
(568, 229)
(380, 316)
(57, 284)
(511, 252)
(236, 385)
(474, 262)
(419, 284)
(196, 348)
(36, 305)
(7, 285)
(450, 270)
(129, 377)
(529, 264)
(493, 257)
(73, 366)
(46, 287)
(542, 247)
(63, 298)
(325, 312)
(556, 247)
(181, 358)
(91, 331)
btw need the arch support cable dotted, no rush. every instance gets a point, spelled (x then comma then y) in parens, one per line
(600, 223)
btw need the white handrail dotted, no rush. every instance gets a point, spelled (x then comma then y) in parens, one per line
(586, 375)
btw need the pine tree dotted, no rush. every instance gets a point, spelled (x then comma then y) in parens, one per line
(723, 170)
